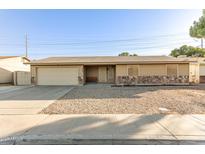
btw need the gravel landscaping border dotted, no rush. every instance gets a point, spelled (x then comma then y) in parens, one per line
(105, 99)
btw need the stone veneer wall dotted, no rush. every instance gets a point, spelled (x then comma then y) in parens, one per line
(81, 74)
(131, 80)
(80, 80)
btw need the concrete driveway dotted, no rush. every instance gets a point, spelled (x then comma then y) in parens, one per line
(10, 88)
(29, 99)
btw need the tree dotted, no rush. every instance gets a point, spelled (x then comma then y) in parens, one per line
(127, 54)
(124, 54)
(189, 51)
(134, 54)
(197, 30)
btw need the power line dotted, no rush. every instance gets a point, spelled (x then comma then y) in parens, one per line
(133, 39)
(105, 41)
(68, 37)
(124, 43)
(93, 42)
(10, 44)
(86, 43)
(120, 45)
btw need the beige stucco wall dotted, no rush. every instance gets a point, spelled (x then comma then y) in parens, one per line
(152, 74)
(133, 70)
(80, 76)
(121, 70)
(194, 72)
(183, 69)
(33, 74)
(148, 70)
(172, 69)
(5, 76)
(154, 69)
(202, 70)
(10, 65)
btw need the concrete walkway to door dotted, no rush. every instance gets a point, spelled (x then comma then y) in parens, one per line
(29, 99)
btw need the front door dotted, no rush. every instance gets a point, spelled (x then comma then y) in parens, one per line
(102, 74)
(111, 74)
(92, 74)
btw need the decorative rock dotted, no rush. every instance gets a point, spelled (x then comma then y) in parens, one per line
(131, 80)
(163, 110)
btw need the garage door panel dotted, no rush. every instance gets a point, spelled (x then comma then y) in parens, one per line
(57, 76)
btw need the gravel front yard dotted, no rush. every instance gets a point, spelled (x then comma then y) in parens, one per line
(103, 99)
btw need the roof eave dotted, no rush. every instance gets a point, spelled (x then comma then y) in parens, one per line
(110, 63)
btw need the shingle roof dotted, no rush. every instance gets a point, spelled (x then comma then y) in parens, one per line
(5, 57)
(109, 60)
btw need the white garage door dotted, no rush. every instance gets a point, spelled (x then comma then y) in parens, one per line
(57, 76)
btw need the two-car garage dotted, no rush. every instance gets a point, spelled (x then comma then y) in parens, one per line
(57, 75)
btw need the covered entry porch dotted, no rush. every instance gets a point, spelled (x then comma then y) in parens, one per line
(99, 74)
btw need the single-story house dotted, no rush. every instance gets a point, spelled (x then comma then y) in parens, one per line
(11, 64)
(120, 70)
(202, 70)
(201, 62)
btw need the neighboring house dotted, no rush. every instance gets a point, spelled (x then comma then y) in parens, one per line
(202, 70)
(201, 63)
(121, 70)
(11, 64)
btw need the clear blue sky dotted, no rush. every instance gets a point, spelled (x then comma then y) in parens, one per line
(95, 32)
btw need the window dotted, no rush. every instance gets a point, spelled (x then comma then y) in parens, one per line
(172, 69)
(153, 70)
(121, 70)
(133, 70)
(183, 69)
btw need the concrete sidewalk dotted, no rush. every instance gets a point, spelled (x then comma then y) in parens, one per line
(102, 129)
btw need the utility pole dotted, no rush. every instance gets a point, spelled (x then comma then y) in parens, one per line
(202, 46)
(26, 45)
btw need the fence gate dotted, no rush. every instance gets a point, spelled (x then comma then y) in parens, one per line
(22, 78)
